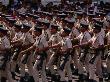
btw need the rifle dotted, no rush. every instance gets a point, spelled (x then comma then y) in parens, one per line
(16, 53)
(96, 53)
(64, 59)
(83, 54)
(25, 56)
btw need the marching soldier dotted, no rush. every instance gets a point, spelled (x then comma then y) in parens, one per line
(27, 40)
(5, 73)
(40, 46)
(108, 49)
(84, 54)
(97, 44)
(17, 48)
(54, 39)
(65, 52)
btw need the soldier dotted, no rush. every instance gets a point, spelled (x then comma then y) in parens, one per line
(84, 54)
(97, 44)
(17, 47)
(65, 52)
(74, 33)
(108, 48)
(5, 73)
(40, 46)
(27, 40)
(54, 39)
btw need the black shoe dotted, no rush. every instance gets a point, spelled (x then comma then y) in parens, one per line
(92, 80)
(22, 79)
(53, 78)
(17, 69)
(75, 72)
(100, 79)
(87, 77)
(31, 79)
(82, 77)
(13, 75)
(3, 79)
(69, 80)
(108, 78)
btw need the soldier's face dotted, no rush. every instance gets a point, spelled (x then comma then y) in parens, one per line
(44, 27)
(1, 34)
(95, 31)
(35, 33)
(52, 31)
(82, 29)
(17, 30)
(63, 34)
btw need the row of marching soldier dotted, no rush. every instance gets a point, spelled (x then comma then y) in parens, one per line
(51, 45)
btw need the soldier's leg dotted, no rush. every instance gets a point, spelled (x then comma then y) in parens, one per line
(35, 72)
(68, 69)
(75, 58)
(22, 69)
(43, 72)
(87, 62)
(91, 71)
(0, 75)
(8, 72)
(108, 67)
(30, 65)
(81, 70)
(99, 67)
(61, 70)
(50, 64)
(62, 75)
(13, 65)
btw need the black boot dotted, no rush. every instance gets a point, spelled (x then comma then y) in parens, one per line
(13, 75)
(17, 69)
(31, 79)
(81, 77)
(22, 79)
(53, 78)
(3, 79)
(62, 81)
(75, 72)
(100, 79)
(91, 80)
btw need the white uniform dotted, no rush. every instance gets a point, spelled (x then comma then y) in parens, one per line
(54, 39)
(84, 37)
(27, 39)
(5, 44)
(66, 44)
(40, 43)
(5, 2)
(108, 59)
(75, 33)
(96, 41)
(13, 63)
(22, 10)
(46, 34)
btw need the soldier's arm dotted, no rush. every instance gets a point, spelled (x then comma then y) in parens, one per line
(29, 49)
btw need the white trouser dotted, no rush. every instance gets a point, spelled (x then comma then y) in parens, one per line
(42, 71)
(67, 69)
(97, 64)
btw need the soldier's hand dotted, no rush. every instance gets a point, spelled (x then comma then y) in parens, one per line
(22, 52)
(75, 46)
